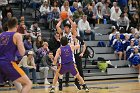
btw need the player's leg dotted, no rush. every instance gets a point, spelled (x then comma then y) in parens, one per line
(18, 86)
(75, 73)
(26, 84)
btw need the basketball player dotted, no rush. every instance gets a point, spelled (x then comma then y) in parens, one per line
(10, 43)
(65, 52)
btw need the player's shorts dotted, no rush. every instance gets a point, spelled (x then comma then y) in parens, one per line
(10, 70)
(70, 67)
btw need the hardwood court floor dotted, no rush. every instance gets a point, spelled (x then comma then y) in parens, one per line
(102, 86)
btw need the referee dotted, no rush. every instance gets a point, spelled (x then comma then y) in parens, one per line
(78, 58)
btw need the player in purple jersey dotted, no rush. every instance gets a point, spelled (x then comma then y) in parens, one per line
(65, 52)
(10, 43)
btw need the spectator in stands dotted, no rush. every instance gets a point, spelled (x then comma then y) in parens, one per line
(85, 2)
(114, 7)
(99, 15)
(136, 39)
(130, 49)
(118, 46)
(85, 28)
(6, 10)
(112, 35)
(55, 5)
(133, 6)
(69, 11)
(126, 43)
(22, 18)
(35, 4)
(134, 20)
(37, 43)
(78, 14)
(106, 11)
(22, 28)
(65, 4)
(35, 30)
(41, 54)
(28, 43)
(54, 43)
(134, 58)
(94, 8)
(91, 16)
(79, 3)
(74, 7)
(44, 9)
(100, 3)
(5, 20)
(115, 16)
(28, 65)
(123, 21)
(55, 18)
(122, 3)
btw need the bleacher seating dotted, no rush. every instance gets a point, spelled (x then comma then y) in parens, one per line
(91, 72)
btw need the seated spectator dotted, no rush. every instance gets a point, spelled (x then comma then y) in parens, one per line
(79, 3)
(46, 64)
(78, 14)
(5, 20)
(91, 16)
(99, 15)
(114, 7)
(6, 10)
(35, 4)
(118, 46)
(134, 58)
(22, 28)
(100, 3)
(44, 9)
(85, 2)
(136, 39)
(134, 20)
(106, 11)
(28, 65)
(28, 43)
(123, 21)
(84, 27)
(54, 18)
(41, 53)
(68, 10)
(35, 30)
(74, 7)
(115, 16)
(37, 43)
(126, 43)
(54, 43)
(65, 4)
(130, 49)
(112, 35)
(133, 6)
(55, 5)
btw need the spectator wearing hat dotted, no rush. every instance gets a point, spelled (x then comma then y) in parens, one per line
(28, 65)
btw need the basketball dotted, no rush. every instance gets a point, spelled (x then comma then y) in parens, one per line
(64, 15)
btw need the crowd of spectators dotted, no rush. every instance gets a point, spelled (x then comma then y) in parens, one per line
(124, 37)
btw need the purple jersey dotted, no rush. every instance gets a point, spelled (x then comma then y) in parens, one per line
(7, 47)
(66, 54)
